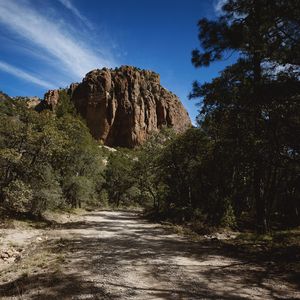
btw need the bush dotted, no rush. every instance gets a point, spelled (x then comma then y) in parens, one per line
(79, 189)
(47, 160)
(228, 218)
(18, 196)
(47, 192)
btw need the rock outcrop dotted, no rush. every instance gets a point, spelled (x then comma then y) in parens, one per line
(33, 102)
(51, 98)
(122, 107)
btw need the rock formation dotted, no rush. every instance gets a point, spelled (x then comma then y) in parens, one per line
(33, 102)
(51, 98)
(122, 107)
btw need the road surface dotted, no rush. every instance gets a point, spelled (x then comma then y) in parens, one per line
(119, 255)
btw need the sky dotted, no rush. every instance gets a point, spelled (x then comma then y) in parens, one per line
(47, 44)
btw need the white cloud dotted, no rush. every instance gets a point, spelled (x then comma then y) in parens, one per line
(218, 4)
(24, 75)
(71, 55)
(68, 4)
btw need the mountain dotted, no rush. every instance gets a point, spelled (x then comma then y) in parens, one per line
(123, 106)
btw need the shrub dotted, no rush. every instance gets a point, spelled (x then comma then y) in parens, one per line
(18, 196)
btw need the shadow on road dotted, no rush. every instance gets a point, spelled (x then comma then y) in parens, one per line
(121, 256)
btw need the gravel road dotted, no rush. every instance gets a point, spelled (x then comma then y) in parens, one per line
(118, 255)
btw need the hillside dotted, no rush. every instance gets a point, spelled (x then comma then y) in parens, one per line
(3, 96)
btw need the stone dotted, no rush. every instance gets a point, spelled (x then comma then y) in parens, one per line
(51, 98)
(4, 255)
(124, 106)
(33, 102)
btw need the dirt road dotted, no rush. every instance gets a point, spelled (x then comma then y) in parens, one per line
(118, 255)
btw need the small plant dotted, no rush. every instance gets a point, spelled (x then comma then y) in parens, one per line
(228, 218)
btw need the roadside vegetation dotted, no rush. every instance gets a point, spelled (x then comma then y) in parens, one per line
(238, 168)
(48, 160)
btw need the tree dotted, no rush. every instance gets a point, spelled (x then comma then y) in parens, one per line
(79, 189)
(64, 105)
(147, 169)
(118, 176)
(253, 103)
(54, 160)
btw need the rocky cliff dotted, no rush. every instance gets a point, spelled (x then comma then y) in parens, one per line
(124, 106)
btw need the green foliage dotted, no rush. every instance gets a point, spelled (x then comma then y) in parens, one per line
(118, 176)
(132, 177)
(252, 107)
(79, 189)
(46, 161)
(65, 105)
(243, 159)
(228, 218)
(187, 179)
(18, 196)
(47, 191)
(146, 169)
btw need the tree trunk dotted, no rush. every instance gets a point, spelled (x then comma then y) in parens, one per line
(261, 215)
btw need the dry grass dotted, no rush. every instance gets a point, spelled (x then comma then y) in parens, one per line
(43, 259)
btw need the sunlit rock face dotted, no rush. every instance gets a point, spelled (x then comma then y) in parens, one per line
(123, 106)
(51, 98)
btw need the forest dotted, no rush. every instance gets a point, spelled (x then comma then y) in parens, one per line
(239, 167)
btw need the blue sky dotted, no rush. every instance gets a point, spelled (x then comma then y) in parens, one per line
(46, 44)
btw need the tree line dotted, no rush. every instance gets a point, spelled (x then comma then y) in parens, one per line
(48, 160)
(242, 160)
(239, 165)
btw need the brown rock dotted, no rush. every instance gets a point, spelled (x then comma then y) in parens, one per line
(72, 88)
(124, 106)
(33, 102)
(4, 255)
(51, 98)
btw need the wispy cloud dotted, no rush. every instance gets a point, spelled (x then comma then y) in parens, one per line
(68, 53)
(24, 75)
(69, 5)
(218, 4)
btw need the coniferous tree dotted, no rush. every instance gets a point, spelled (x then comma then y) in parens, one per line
(254, 103)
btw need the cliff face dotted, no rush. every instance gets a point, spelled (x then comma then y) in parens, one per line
(124, 106)
(51, 98)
